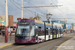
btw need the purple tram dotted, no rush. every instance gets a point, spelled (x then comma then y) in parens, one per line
(33, 31)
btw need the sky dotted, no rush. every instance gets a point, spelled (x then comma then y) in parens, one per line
(67, 10)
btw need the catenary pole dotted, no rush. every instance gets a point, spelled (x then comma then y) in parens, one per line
(6, 23)
(21, 9)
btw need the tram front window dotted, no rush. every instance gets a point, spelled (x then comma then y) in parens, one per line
(22, 31)
(25, 30)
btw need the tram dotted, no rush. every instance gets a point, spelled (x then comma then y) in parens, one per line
(34, 31)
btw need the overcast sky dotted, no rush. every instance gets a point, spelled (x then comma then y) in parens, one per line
(65, 11)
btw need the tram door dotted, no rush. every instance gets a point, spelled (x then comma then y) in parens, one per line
(57, 33)
(54, 33)
(51, 33)
(60, 32)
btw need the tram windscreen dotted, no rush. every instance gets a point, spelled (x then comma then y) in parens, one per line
(22, 30)
(25, 30)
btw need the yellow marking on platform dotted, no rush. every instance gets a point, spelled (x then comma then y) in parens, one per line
(6, 45)
(64, 43)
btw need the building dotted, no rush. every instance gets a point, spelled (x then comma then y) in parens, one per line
(2, 21)
(68, 26)
(10, 19)
(14, 24)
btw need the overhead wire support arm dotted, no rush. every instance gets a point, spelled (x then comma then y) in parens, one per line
(14, 3)
(42, 6)
(62, 18)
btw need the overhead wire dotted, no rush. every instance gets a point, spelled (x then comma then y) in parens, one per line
(61, 11)
(15, 5)
(30, 10)
(57, 7)
(32, 4)
(38, 8)
(24, 9)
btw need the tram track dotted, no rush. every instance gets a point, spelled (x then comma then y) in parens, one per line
(55, 43)
(17, 47)
(52, 44)
(22, 47)
(44, 44)
(47, 44)
(36, 44)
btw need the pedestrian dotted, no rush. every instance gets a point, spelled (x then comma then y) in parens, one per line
(9, 31)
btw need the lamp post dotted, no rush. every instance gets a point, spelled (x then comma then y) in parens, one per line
(6, 23)
(48, 16)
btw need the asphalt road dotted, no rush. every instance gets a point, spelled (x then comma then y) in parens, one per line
(48, 45)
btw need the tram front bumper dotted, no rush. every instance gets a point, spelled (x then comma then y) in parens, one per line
(25, 40)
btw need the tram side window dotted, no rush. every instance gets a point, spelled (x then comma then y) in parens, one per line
(40, 31)
(54, 31)
(32, 31)
(51, 31)
(57, 31)
(62, 31)
(36, 31)
(46, 31)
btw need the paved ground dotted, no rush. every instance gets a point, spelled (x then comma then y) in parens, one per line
(2, 41)
(49, 45)
(10, 39)
(68, 45)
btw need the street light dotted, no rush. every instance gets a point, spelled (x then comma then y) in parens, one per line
(48, 16)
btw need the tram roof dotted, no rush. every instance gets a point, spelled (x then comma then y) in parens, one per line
(40, 22)
(37, 21)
